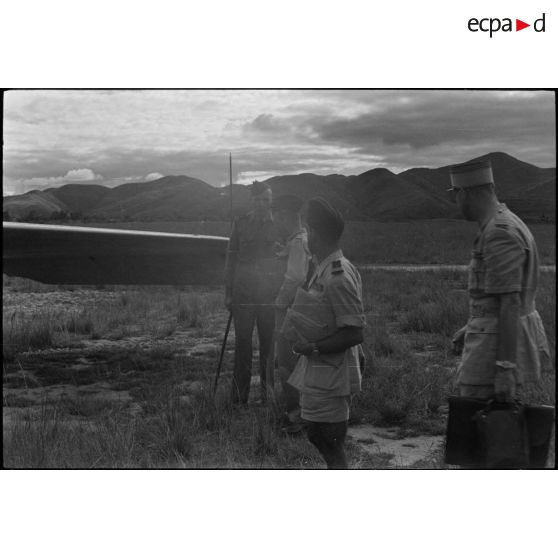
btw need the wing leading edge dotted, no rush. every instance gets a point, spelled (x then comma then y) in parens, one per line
(93, 256)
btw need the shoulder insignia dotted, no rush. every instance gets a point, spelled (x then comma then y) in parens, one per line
(337, 267)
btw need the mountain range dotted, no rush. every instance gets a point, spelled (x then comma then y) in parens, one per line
(379, 194)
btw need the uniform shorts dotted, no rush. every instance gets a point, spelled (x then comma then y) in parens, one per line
(317, 408)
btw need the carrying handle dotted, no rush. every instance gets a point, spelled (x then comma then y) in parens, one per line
(493, 405)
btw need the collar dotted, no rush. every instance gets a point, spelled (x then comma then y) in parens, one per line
(336, 255)
(499, 208)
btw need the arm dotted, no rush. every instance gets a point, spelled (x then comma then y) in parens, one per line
(343, 339)
(230, 265)
(346, 301)
(504, 258)
(297, 267)
(458, 340)
(505, 381)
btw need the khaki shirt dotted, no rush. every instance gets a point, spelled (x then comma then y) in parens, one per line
(253, 272)
(505, 260)
(298, 258)
(337, 283)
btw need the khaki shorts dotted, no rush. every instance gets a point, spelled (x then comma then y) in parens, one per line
(324, 409)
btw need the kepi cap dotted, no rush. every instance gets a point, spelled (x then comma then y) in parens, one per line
(468, 175)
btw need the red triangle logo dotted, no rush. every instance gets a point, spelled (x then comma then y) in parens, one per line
(519, 25)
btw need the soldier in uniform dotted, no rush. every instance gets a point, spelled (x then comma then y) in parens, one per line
(328, 371)
(286, 214)
(252, 277)
(504, 338)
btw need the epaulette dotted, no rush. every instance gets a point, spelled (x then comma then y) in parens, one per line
(501, 220)
(336, 267)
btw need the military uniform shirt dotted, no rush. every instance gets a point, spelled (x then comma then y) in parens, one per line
(298, 258)
(505, 260)
(337, 283)
(253, 273)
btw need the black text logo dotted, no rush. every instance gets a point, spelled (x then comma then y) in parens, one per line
(493, 25)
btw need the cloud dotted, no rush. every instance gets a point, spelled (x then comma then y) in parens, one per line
(41, 182)
(153, 176)
(266, 124)
(421, 120)
(81, 175)
(125, 134)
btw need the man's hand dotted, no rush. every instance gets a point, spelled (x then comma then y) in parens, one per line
(303, 348)
(228, 302)
(458, 341)
(504, 385)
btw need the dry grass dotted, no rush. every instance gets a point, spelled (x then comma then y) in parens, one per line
(22, 333)
(411, 318)
(163, 421)
(156, 311)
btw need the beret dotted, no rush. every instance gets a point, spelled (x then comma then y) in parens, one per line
(320, 215)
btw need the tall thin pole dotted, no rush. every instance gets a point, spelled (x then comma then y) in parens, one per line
(229, 320)
(231, 186)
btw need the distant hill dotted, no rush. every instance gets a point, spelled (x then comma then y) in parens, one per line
(76, 199)
(170, 197)
(332, 187)
(418, 193)
(386, 196)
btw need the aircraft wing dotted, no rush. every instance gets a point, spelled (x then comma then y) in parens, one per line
(95, 256)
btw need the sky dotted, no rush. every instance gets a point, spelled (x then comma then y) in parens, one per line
(110, 137)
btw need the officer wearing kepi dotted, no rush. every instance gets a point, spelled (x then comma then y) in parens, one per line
(252, 277)
(504, 338)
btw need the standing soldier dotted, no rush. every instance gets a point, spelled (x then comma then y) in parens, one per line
(504, 337)
(328, 317)
(251, 282)
(286, 214)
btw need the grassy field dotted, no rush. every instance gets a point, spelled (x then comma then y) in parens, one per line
(122, 377)
(412, 242)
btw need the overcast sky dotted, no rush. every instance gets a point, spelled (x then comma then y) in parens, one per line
(112, 137)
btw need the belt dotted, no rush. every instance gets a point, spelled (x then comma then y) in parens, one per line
(484, 307)
(489, 307)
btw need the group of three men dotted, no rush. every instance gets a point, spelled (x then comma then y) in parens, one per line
(287, 275)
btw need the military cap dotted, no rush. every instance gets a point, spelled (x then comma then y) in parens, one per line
(258, 188)
(468, 175)
(324, 218)
(289, 203)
